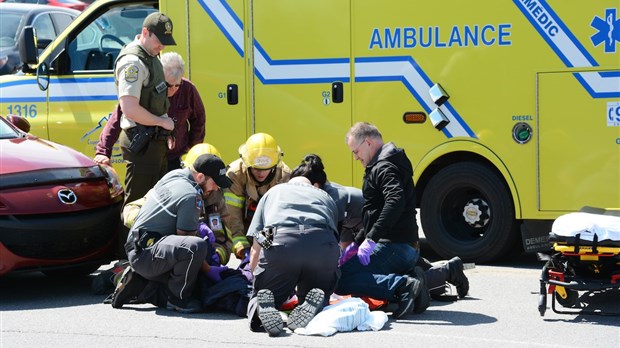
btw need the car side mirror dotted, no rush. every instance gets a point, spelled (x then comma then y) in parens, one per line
(19, 122)
(43, 77)
(28, 52)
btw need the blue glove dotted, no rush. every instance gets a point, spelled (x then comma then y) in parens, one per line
(215, 273)
(364, 251)
(205, 233)
(347, 253)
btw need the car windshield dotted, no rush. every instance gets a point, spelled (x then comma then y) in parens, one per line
(6, 131)
(9, 22)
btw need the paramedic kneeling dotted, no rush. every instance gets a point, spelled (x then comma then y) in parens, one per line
(162, 245)
(295, 247)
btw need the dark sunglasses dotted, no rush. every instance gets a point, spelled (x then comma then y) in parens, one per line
(170, 86)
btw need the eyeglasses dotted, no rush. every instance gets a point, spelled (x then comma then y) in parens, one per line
(357, 149)
(173, 86)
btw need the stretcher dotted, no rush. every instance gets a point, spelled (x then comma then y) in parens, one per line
(585, 258)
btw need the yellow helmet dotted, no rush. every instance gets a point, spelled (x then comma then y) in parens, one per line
(197, 150)
(260, 151)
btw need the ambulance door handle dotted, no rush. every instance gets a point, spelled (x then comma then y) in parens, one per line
(232, 94)
(337, 92)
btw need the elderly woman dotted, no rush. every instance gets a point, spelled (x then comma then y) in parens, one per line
(186, 110)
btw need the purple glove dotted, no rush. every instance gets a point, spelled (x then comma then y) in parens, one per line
(364, 251)
(215, 273)
(205, 233)
(216, 258)
(348, 253)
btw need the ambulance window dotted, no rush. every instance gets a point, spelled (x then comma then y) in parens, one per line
(97, 46)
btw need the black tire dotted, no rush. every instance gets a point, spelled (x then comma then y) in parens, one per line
(442, 209)
(570, 300)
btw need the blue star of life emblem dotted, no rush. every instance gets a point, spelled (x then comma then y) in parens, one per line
(608, 30)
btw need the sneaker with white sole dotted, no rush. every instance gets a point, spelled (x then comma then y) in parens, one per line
(406, 296)
(303, 313)
(130, 286)
(268, 314)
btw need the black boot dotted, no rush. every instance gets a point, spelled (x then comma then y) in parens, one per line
(422, 301)
(457, 277)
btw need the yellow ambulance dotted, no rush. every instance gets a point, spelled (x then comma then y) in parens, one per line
(509, 110)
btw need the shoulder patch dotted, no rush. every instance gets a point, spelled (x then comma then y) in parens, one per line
(131, 73)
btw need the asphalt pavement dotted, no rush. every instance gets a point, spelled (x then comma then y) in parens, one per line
(501, 310)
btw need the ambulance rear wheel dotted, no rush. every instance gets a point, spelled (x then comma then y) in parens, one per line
(570, 300)
(467, 211)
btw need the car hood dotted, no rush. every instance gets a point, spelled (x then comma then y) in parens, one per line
(32, 153)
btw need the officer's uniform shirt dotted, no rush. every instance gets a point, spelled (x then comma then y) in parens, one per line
(294, 204)
(174, 203)
(132, 75)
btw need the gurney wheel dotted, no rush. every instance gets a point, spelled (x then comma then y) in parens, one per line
(542, 304)
(570, 300)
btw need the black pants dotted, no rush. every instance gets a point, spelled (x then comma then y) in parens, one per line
(174, 260)
(297, 261)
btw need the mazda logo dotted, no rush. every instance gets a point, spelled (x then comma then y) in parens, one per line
(67, 196)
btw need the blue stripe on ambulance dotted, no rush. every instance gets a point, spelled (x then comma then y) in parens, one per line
(406, 70)
(299, 71)
(29, 92)
(569, 49)
(225, 18)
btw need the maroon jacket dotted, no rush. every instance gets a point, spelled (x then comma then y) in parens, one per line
(187, 112)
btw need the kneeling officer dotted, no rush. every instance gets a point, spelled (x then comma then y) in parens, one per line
(162, 245)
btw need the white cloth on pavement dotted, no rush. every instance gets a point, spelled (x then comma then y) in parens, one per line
(346, 315)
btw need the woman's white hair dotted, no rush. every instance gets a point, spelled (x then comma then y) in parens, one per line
(173, 64)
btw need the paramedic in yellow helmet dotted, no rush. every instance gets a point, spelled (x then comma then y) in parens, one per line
(216, 211)
(259, 169)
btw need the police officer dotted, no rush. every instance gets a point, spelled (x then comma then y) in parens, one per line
(295, 247)
(162, 245)
(259, 169)
(143, 99)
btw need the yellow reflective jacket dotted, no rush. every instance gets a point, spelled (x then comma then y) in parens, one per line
(242, 197)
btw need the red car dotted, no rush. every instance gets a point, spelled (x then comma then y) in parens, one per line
(72, 4)
(59, 211)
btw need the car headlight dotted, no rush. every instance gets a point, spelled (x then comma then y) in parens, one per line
(114, 183)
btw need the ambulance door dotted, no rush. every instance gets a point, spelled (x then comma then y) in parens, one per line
(579, 143)
(302, 93)
(217, 66)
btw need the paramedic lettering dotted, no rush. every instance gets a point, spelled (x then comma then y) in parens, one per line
(459, 36)
(542, 16)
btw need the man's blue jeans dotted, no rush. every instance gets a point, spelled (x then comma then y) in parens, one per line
(389, 262)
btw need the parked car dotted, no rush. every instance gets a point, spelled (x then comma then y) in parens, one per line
(48, 21)
(59, 211)
(72, 4)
